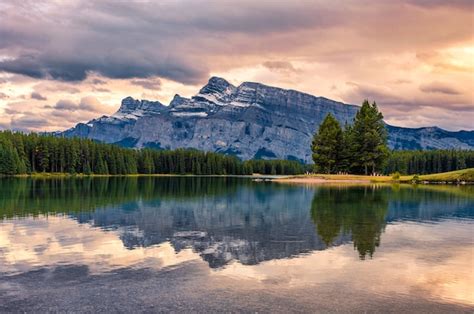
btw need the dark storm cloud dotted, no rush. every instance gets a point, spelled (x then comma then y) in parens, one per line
(122, 66)
(180, 41)
(38, 96)
(26, 65)
(135, 40)
(437, 87)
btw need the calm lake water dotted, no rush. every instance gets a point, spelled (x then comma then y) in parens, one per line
(230, 244)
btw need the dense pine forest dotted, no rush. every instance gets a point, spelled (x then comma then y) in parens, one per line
(429, 161)
(32, 153)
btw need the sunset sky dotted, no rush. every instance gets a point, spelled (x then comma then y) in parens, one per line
(68, 61)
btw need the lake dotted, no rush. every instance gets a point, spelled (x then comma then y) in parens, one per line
(147, 244)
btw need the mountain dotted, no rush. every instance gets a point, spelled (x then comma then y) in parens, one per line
(251, 120)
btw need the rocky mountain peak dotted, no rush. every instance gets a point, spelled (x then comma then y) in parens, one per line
(217, 85)
(177, 100)
(130, 104)
(132, 108)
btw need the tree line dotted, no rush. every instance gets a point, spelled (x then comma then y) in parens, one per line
(32, 153)
(429, 161)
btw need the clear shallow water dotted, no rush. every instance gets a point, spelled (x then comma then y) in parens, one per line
(216, 244)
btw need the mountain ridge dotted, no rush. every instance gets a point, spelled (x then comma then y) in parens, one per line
(251, 120)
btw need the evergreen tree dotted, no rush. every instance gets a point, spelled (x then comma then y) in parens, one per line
(7, 160)
(327, 145)
(369, 139)
(43, 155)
(346, 156)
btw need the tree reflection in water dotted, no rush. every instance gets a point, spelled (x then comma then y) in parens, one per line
(358, 211)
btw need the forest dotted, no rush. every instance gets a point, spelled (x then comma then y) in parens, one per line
(428, 161)
(33, 153)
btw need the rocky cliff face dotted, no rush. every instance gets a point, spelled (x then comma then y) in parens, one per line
(251, 120)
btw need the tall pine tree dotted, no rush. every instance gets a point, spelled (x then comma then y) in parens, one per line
(327, 144)
(369, 139)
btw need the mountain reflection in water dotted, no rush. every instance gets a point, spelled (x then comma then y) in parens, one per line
(227, 219)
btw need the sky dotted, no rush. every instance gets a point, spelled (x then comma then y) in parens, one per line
(64, 62)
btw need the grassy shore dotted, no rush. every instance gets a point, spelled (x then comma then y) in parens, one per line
(459, 176)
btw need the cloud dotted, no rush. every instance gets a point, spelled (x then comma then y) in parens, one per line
(101, 90)
(65, 113)
(26, 123)
(115, 49)
(46, 87)
(459, 4)
(450, 111)
(12, 111)
(65, 104)
(437, 87)
(89, 104)
(38, 96)
(181, 43)
(359, 92)
(97, 81)
(279, 65)
(3, 96)
(152, 83)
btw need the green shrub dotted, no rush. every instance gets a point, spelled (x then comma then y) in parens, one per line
(416, 179)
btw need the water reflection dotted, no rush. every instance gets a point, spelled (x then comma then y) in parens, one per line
(357, 211)
(409, 241)
(227, 219)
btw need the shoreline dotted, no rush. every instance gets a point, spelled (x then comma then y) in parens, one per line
(459, 177)
(319, 180)
(81, 175)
